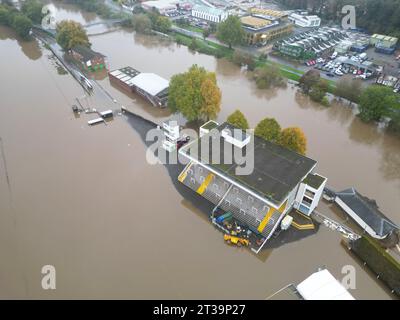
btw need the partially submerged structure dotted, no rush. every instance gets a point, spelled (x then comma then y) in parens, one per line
(366, 213)
(149, 85)
(89, 59)
(280, 180)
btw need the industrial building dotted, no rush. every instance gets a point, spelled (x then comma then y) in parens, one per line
(263, 25)
(383, 41)
(282, 180)
(163, 6)
(384, 44)
(209, 14)
(149, 85)
(310, 44)
(304, 20)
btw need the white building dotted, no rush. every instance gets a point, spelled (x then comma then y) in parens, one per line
(209, 14)
(163, 6)
(305, 21)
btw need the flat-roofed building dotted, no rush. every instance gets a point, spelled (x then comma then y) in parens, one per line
(209, 14)
(280, 180)
(149, 85)
(259, 29)
(268, 13)
(163, 6)
(305, 21)
(379, 40)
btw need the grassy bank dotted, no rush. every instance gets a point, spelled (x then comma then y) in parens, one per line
(203, 46)
(379, 261)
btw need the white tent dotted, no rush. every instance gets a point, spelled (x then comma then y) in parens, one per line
(322, 285)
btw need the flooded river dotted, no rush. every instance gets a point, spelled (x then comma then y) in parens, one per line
(86, 201)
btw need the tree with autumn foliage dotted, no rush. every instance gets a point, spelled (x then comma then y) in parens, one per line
(238, 120)
(294, 139)
(70, 34)
(195, 94)
(268, 129)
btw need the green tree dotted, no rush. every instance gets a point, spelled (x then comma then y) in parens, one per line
(33, 10)
(162, 24)
(230, 31)
(294, 139)
(350, 89)
(238, 120)
(22, 25)
(70, 34)
(377, 101)
(141, 23)
(212, 97)
(4, 15)
(244, 59)
(308, 80)
(268, 129)
(206, 33)
(269, 76)
(195, 94)
(318, 91)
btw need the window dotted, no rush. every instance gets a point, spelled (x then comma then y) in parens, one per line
(309, 193)
(307, 200)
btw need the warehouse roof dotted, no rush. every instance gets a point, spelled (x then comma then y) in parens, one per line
(151, 83)
(254, 22)
(277, 170)
(269, 12)
(209, 10)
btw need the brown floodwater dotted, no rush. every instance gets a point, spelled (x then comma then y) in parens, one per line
(86, 201)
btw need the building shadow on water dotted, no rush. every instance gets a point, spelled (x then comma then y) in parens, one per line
(200, 206)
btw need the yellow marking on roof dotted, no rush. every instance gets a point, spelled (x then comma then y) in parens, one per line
(184, 173)
(205, 184)
(266, 219)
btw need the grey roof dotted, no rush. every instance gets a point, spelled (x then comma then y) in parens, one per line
(368, 211)
(277, 170)
(87, 53)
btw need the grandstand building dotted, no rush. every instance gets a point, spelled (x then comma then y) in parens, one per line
(281, 180)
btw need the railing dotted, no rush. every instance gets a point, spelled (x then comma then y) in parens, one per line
(336, 226)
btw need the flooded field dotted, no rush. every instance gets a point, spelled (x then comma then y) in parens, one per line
(86, 201)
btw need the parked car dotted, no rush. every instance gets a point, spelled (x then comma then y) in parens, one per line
(180, 143)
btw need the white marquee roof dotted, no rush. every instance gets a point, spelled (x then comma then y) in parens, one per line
(149, 82)
(322, 285)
